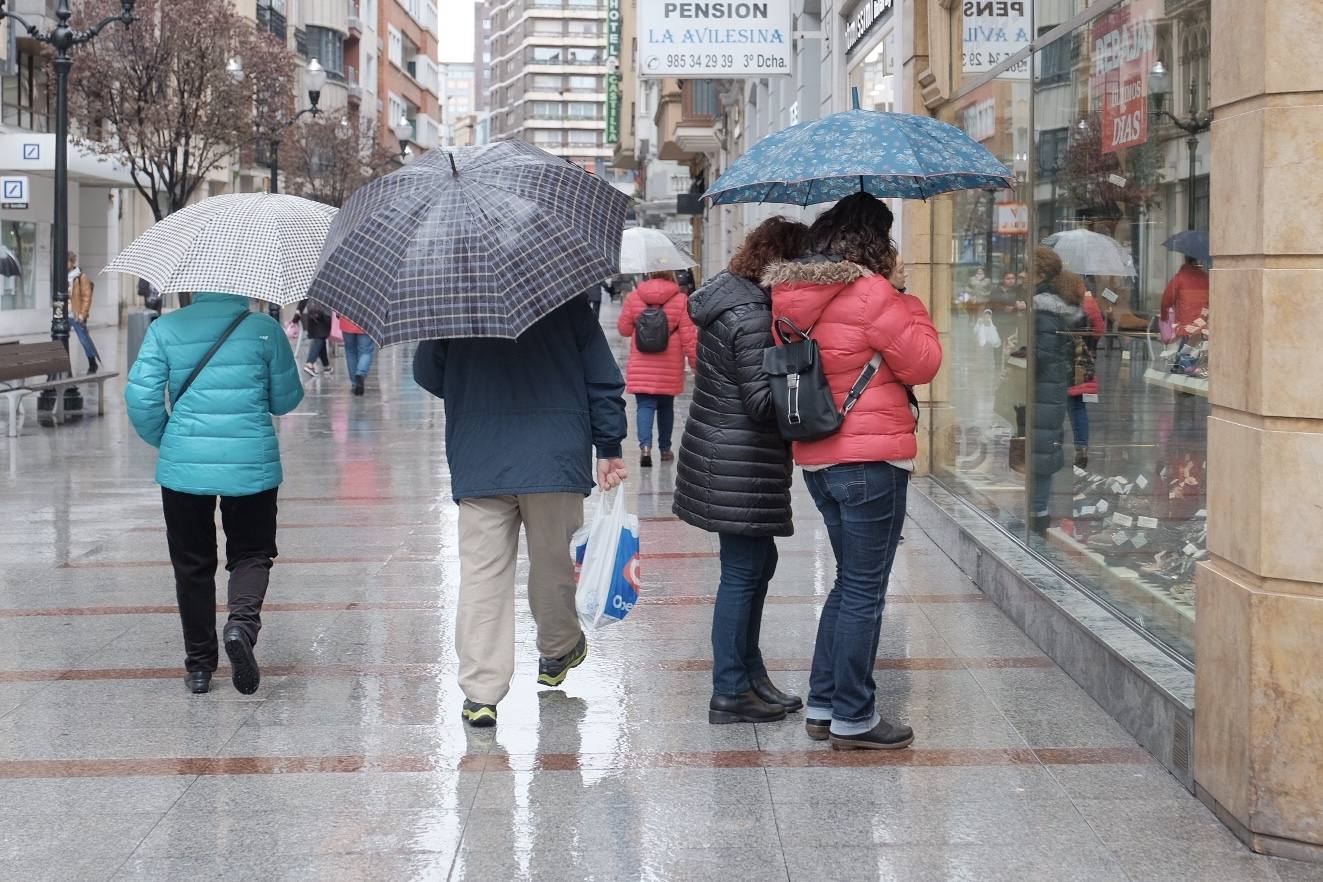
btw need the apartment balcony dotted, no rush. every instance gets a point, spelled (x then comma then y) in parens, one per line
(354, 85)
(355, 20)
(686, 119)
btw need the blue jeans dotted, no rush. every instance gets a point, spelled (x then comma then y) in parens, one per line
(747, 566)
(89, 348)
(863, 505)
(663, 408)
(316, 350)
(1079, 420)
(359, 352)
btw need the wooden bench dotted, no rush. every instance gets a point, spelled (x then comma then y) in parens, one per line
(25, 369)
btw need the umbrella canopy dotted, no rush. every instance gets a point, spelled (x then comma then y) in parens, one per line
(1192, 243)
(883, 154)
(470, 242)
(644, 250)
(9, 263)
(252, 244)
(1091, 254)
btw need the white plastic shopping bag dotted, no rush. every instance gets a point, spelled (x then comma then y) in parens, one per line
(606, 562)
(985, 332)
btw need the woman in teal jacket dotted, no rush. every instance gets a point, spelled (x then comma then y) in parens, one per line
(218, 441)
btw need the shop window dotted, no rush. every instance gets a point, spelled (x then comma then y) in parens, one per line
(1079, 402)
(20, 292)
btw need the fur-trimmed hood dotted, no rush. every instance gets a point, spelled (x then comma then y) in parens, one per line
(802, 289)
(815, 270)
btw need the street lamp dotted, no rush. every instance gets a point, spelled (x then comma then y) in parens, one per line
(315, 79)
(63, 38)
(1159, 86)
(403, 132)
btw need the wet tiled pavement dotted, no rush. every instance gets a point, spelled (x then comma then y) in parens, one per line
(350, 762)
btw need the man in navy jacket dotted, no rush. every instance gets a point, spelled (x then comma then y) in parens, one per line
(523, 418)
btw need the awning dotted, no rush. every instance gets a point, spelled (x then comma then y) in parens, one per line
(33, 153)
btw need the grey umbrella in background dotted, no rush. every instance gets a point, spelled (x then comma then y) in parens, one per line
(470, 242)
(9, 263)
(1091, 254)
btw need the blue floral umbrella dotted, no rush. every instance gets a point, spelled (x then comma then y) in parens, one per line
(883, 154)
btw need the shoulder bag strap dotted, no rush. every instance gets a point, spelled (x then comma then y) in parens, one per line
(215, 347)
(866, 377)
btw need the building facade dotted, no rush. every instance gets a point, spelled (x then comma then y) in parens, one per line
(547, 79)
(1150, 541)
(408, 85)
(458, 96)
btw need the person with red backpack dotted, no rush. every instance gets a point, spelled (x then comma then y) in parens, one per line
(656, 318)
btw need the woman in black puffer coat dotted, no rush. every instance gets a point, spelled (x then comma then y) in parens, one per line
(733, 475)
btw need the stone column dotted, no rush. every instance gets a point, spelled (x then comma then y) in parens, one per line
(1259, 667)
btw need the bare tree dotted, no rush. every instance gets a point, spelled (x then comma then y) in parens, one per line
(159, 97)
(329, 156)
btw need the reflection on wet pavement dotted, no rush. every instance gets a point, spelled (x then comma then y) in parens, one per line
(351, 763)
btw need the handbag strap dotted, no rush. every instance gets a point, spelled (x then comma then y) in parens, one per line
(215, 347)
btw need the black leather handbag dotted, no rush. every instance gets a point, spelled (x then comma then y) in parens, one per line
(801, 395)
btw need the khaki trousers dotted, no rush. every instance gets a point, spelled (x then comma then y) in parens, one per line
(488, 551)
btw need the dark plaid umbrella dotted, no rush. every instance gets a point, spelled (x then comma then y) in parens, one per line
(469, 242)
(9, 263)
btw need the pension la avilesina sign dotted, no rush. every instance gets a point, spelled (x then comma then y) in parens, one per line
(712, 40)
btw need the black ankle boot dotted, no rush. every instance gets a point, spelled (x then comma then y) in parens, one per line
(746, 708)
(198, 682)
(767, 691)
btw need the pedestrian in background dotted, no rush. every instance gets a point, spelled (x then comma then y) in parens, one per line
(859, 476)
(316, 323)
(1085, 381)
(734, 472)
(216, 440)
(655, 317)
(81, 289)
(522, 420)
(359, 353)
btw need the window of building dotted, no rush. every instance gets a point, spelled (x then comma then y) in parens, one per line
(585, 56)
(585, 110)
(20, 292)
(585, 138)
(1076, 421)
(546, 137)
(546, 110)
(328, 47)
(271, 17)
(545, 55)
(395, 46)
(585, 84)
(545, 83)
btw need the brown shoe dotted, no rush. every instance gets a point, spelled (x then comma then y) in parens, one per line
(883, 736)
(667, 456)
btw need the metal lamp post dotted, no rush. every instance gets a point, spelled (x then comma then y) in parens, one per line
(403, 132)
(63, 38)
(1159, 86)
(315, 80)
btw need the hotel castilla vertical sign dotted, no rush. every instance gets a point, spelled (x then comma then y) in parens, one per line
(613, 71)
(714, 40)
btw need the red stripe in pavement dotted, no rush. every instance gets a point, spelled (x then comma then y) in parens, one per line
(881, 664)
(647, 599)
(552, 762)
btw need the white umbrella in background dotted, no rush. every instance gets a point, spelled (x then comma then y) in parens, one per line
(644, 250)
(255, 245)
(1091, 254)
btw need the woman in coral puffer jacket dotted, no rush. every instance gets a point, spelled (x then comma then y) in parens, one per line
(655, 378)
(858, 477)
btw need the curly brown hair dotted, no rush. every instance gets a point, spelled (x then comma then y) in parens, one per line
(857, 229)
(774, 240)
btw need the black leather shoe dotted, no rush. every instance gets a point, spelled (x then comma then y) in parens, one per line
(746, 708)
(768, 692)
(883, 736)
(198, 682)
(818, 730)
(243, 664)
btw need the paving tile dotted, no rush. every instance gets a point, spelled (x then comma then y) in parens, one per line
(620, 857)
(300, 793)
(550, 791)
(966, 863)
(68, 797)
(77, 845)
(241, 866)
(870, 787)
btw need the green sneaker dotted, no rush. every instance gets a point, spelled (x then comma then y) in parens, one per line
(553, 671)
(480, 716)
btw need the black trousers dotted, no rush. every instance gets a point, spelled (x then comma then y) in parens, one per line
(250, 546)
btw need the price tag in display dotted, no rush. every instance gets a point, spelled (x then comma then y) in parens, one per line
(1090, 398)
(1103, 506)
(1141, 482)
(1123, 520)
(1139, 541)
(1148, 523)
(1190, 550)
(1120, 538)
(1110, 296)
(1088, 510)
(1079, 472)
